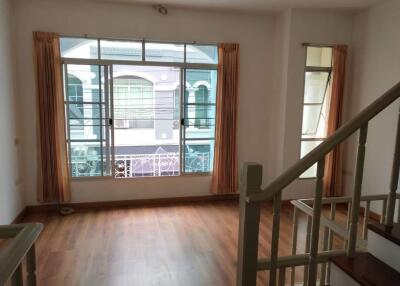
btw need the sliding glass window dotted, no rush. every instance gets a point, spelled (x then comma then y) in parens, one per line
(86, 105)
(199, 120)
(139, 109)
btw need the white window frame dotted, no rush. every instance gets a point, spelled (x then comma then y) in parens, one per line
(108, 64)
(313, 69)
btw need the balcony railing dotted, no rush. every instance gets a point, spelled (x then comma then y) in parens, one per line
(143, 165)
(153, 165)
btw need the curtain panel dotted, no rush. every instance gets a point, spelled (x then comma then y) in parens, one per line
(333, 160)
(225, 171)
(53, 171)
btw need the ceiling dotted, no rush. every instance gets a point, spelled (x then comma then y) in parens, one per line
(258, 5)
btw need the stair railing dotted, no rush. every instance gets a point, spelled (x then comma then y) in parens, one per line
(332, 228)
(251, 196)
(22, 244)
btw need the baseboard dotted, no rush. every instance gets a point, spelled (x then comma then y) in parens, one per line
(147, 202)
(20, 216)
(132, 203)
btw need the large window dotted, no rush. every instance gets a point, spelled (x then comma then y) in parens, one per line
(317, 89)
(139, 109)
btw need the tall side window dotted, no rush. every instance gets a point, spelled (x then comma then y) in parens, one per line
(317, 91)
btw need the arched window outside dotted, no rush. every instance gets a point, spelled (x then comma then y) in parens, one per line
(75, 90)
(201, 100)
(133, 102)
(76, 109)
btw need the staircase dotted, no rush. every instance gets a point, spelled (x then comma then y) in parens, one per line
(18, 245)
(370, 256)
(380, 265)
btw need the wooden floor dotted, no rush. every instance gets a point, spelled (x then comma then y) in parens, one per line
(183, 244)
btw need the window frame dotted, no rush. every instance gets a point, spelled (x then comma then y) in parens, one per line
(102, 105)
(307, 68)
(183, 125)
(183, 66)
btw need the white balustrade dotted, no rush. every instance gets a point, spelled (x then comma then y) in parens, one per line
(251, 196)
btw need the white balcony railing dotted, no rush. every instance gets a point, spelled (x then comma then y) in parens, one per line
(152, 165)
(143, 165)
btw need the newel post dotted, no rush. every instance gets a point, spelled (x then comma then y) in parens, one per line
(249, 220)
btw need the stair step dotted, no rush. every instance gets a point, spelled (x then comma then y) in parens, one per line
(390, 233)
(384, 242)
(366, 269)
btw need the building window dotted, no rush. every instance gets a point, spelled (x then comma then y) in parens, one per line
(201, 100)
(317, 91)
(133, 102)
(75, 96)
(136, 113)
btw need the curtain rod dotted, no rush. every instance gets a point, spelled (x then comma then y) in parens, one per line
(86, 36)
(318, 45)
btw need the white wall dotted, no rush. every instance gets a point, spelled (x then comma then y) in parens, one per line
(255, 34)
(277, 115)
(10, 196)
(376, 68)
(271, 79)
(303, 26)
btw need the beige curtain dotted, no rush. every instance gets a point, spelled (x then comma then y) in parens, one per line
(225, 178)
(53, 172)
(333, 161)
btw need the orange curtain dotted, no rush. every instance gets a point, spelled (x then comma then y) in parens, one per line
(225, 178)
(333, 160)
(53, 172)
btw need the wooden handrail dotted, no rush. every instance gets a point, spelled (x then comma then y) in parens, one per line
(297, 259)
(335, 227)
(339, 200)
(8, 231)
(251, 195)
(326, 146)
(307, 206)
(12, 254)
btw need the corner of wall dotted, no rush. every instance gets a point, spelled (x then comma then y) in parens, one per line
(10, 190)
(313, 26)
